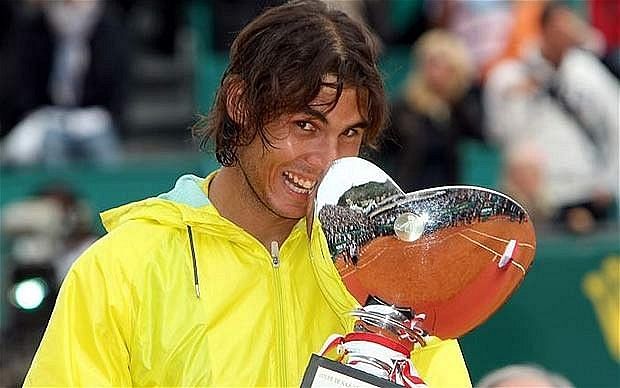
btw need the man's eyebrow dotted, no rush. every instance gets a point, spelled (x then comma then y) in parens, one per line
(322, 118)
(316, 114)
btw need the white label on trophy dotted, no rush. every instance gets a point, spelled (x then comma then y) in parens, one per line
(508, 253)
(329, 378)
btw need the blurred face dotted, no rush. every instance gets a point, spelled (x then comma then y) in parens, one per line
(564, 31)
(281, 178)
(438, 75)
(526, 381)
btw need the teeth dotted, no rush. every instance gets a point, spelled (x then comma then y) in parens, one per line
(298, 184)
(297, 189)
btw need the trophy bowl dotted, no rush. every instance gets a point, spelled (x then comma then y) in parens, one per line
(444, 258)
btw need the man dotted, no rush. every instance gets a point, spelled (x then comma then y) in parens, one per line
(216, 283)
(554, 112)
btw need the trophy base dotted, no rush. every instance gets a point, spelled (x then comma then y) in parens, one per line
(323, 372)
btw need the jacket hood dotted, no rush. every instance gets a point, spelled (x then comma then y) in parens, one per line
(187, 204)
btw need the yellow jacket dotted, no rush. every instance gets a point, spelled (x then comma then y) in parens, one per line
(128, 312)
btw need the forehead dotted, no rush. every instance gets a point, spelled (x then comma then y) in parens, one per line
(350, 99)
(345, 109)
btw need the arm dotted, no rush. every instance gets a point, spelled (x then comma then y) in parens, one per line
(86, 339)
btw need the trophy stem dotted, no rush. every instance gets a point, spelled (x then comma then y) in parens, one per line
(381, 345)
(380, 356)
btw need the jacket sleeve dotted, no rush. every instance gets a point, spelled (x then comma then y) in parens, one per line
(441, 364)
(86, 340)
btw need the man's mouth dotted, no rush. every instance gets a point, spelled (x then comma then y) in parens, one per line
(298, 183)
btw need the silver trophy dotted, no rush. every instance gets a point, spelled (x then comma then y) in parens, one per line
(435, 262)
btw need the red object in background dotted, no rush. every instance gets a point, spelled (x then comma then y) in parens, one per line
(605, 16)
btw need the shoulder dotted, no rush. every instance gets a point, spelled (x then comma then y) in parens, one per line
(582, 57)
(140, 236)
(583, 77)
(130, 248)
(441, 363)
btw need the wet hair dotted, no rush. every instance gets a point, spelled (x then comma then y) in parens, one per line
(278, 65)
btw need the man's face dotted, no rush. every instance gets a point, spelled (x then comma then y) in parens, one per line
(439, 74)
(281, 178)
(564, 31)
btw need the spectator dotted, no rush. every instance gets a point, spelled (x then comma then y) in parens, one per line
(559, 104)
(65, 79)
(526, 29)
(437, 108)
(514, 376)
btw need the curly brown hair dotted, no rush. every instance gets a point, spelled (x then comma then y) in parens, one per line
(278, 65)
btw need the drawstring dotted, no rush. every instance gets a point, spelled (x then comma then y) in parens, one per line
(191, 244)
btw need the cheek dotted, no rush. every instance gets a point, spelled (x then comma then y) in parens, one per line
(350, 149)
(276, 158)
(298, 145)
(286, 149)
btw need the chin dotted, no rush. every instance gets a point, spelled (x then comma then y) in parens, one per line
(292, 214)
(290, 211)
(290, 205)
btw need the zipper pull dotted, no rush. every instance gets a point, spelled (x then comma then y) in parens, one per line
(275, 254)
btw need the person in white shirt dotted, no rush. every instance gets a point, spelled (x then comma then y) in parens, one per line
(558, 105)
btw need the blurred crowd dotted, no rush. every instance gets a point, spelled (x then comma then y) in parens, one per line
(42, 235)
(535, 80)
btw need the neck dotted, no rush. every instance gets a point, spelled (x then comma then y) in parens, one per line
(235, 200)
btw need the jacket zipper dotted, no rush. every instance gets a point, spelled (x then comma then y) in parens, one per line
(275, 262)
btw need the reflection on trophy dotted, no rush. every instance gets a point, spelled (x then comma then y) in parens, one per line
(435, 262)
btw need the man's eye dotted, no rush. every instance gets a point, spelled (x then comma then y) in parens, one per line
(351, 132)
(305, 125)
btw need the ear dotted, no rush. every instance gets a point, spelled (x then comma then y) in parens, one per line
(234, 103)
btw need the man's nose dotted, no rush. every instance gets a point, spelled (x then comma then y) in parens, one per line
(323, 153)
